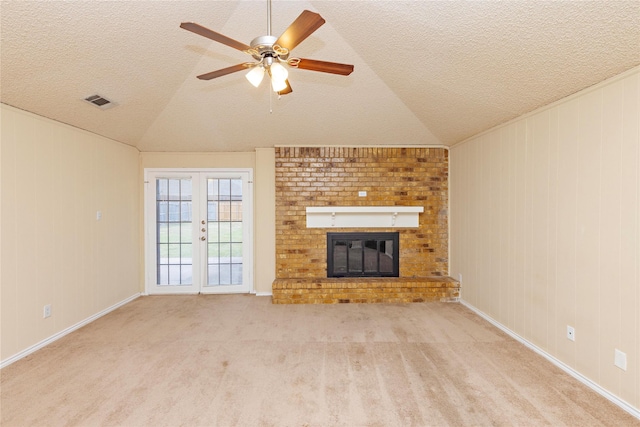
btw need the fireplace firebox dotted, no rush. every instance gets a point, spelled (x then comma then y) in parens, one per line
(363, 254)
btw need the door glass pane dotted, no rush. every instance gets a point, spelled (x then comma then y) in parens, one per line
(214, 252)
(174, 253)
(224, 189)
(236, 253)
(174, 275)
(186, 232)
(174, 189)
(236, 274)
(224, 211)
(225, 232)
(174, 212)
(162, 232)
(213, 234)
(224, 253)
(163, 273)
(236, 211)
(213, 275)
(174, 232)
(185, 189)
(162, 189)
(162, 212)
(236, 232)
(186, 272)
(225, 274)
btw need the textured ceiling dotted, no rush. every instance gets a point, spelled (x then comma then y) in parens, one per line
(426, 72)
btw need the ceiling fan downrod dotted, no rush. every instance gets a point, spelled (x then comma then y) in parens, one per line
(268, 17)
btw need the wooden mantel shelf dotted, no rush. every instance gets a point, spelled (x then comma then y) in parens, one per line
(363, 216)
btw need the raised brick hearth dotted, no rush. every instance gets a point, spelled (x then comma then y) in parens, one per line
(336, 176)
(365, 290)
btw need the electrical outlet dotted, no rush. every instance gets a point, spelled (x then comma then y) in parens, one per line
(46, 312)
(620, 359)
(571, 333)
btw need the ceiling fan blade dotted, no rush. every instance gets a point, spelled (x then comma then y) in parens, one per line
(286, 90)
(325, 67)
(224, 71)
(210, 34)
(300, 29)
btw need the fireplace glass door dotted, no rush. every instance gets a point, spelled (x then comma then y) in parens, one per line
(362, 254)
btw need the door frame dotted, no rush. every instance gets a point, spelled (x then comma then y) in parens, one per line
(149, 256)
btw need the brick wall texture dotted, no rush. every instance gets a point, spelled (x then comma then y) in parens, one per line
(333, 176)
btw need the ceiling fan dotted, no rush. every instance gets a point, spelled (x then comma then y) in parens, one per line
(270, 53)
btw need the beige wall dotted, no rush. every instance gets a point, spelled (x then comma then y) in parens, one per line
(263, 164)
(54, 251)
(54, 180)
(545, 229)
(265, 225)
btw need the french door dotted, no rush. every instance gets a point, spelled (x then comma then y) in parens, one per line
(198, 231)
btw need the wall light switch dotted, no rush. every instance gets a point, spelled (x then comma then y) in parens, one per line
(98, 215)
(362, 194)
(620, 360)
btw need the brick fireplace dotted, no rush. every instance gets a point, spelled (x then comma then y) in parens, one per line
(346, 176)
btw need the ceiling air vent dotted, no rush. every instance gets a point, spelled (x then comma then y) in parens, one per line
(99, 101)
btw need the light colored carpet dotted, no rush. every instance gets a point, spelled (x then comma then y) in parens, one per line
(238, 360)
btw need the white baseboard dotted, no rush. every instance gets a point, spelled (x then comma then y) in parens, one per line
(64, 332)
(575, 374)
(264, 294)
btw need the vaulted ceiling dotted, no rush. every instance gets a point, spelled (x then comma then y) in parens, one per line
(426, 72)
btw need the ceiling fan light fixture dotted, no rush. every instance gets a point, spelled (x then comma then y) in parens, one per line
(278, 85)
(278, 72)
(255, 76)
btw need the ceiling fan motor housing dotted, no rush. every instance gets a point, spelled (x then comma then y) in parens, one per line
(263, 45)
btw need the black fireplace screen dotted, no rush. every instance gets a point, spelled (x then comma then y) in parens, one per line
(362, 254)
